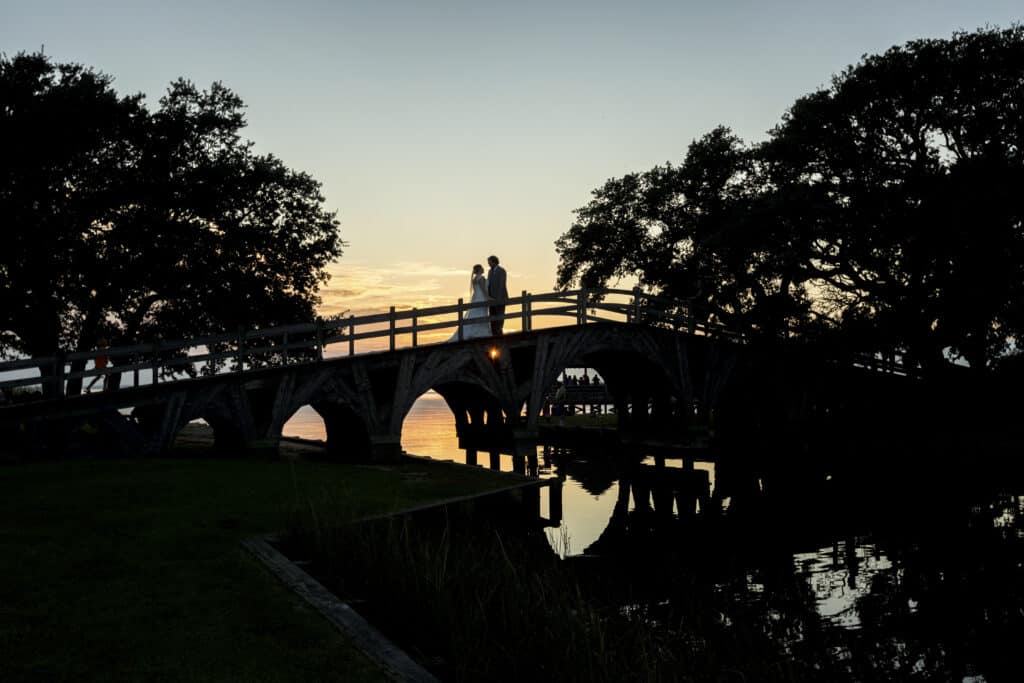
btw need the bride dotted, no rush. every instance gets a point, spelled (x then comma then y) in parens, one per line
(475, 323)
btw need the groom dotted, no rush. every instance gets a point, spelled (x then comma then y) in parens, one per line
(498, 293)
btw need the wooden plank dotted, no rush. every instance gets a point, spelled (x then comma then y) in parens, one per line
(296, 328)
(555, 298)
(23, 363)
(23, 382)
(426, 327)
(561, 310)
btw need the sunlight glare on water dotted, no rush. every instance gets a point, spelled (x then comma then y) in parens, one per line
(429, 430)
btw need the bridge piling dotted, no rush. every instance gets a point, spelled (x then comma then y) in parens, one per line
(555, 502)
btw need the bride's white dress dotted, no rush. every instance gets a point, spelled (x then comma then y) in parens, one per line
(474, 322)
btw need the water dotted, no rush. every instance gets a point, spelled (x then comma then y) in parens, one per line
(429, 430)
(874, 574)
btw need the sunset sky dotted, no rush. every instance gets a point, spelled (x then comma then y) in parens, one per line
(445, 131)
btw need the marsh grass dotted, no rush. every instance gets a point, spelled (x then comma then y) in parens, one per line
(477, 596)
(490, 601)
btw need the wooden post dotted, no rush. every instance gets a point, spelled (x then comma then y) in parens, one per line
(555, 501)
(460, 318)
(636, 304)
(155, 363)
(351, 335)
(58, 375)
(414, 323)
(135, 375)
(525, 307)
(319, 338)
(285, 342)
(391, 328)
(529, 312)
(581, 308)
(240, 351)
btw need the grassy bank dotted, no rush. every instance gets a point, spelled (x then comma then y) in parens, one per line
(477, 604)
(132, 569)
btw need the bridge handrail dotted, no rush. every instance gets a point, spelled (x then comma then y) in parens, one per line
(248, 349)
(159, 355)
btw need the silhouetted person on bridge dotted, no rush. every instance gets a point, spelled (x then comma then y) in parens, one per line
(497, 290)
(474, 322)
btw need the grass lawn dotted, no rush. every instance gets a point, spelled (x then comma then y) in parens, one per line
(132, 569)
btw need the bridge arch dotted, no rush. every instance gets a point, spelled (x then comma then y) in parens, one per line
(469, 380)
(365, 398)
(636, 368)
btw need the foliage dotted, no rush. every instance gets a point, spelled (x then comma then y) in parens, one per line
(906, 172)
(127, 224)
(692, 232)
(884, 207)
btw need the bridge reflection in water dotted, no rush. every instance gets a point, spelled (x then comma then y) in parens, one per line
(590, 491)
(894, 575)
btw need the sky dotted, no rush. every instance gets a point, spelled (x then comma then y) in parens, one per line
(447, 131)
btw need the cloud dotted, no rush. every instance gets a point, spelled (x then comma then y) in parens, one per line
(336, 292)
(358, 287)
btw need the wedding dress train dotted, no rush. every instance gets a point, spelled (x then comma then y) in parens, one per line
(474, 322)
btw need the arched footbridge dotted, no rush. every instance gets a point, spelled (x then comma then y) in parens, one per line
(363, 374)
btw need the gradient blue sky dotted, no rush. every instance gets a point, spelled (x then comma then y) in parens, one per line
(446, 131)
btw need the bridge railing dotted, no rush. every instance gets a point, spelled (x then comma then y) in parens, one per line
(246, 350)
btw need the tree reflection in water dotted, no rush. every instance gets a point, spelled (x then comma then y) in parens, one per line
(873, 574)
(847, 577)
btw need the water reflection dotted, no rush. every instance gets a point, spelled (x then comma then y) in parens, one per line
(871, 574)
(840, 575)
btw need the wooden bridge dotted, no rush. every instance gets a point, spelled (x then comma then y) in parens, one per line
(658, 363)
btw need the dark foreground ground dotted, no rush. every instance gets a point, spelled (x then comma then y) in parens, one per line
(132, 569)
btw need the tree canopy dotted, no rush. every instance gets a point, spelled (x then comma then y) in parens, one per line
(128, 224)
(884, 208)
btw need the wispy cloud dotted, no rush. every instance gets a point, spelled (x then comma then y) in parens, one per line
(358, 287)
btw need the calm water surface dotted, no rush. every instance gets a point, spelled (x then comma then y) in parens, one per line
(429, 430)
(916, 582)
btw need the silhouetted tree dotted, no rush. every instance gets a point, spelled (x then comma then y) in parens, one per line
(886, 207)
(693, 232)
(905, 176)
(127, 224)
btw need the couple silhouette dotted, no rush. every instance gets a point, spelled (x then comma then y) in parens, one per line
(492, 288)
